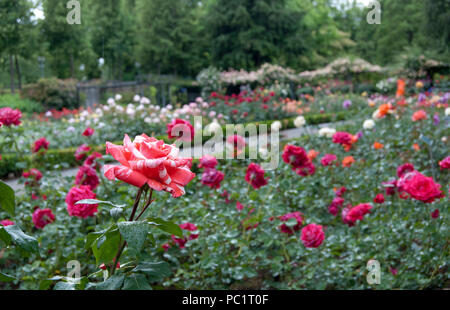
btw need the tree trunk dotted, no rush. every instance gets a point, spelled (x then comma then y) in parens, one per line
(19, 75)
(11, 72)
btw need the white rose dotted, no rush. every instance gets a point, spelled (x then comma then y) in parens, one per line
(111, 101)
(299, 121)
(327, 132)
(447, 112)
(118, 97)
(368, 124)
(276, 126)
(136, 98)
(148, 120)
(145, 100)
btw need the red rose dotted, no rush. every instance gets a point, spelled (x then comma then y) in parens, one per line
(420, 187)
(435, 214)
(87, 176)
(40, 144)
(255, 176)
(290, 230)
(5, 223)
(445, 163)
(239, 206)
(34, 174)
(43, 217)
(208, 161)
(88, 132)
(356, 213)
(81, 210)
(379, 199)
(10, 117)
(343, 138)
(328, 159)
(295, 156)
(306, 170)
(312, 236)
(180, 129)
(212, 178)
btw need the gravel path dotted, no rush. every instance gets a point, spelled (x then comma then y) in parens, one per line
(192, 152)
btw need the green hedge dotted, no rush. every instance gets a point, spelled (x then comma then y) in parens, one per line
(9, 163)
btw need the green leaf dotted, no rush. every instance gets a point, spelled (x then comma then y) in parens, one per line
(134, 233)
(93, 236)
(7, 198)
(112, 283)
(155, 270)
(64, 286)
(136, 282)
(22, 240)
(106, 246)
(6, 278)
(166, 226)
(95, 202)
(4, 236)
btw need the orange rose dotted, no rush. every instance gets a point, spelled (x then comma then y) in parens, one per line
(149, 161)
(419, 115)
(416, 147)
(378, 145)
(313, 154)
(348, 161)
(383, 109)
(400, 88)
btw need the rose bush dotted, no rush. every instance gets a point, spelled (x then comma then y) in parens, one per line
(259, 229)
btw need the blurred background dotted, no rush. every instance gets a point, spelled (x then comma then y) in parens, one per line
(149, 40)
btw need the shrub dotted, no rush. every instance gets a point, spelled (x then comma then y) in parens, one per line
(15, 102)
(53, 93)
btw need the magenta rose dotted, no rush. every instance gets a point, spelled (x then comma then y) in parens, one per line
(10, 117)
(255, 176)
(328, 159)
(208, 161)
(81, 210)
(40, 144)
(212, 178)
(180, 129)
(420, 187)
(312, 236)
(42, 217)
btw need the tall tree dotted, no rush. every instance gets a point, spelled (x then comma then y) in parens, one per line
(15, 23)
(64, 41)
(247, 33)
(112, 34)
(168, 35)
